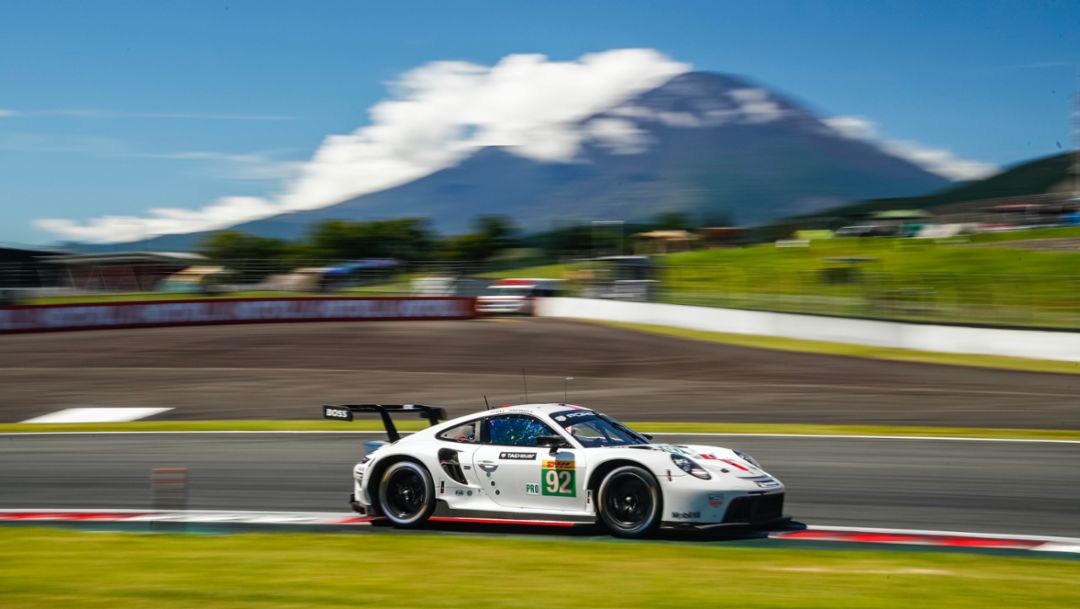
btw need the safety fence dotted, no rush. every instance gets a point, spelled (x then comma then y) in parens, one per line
(1021, 300)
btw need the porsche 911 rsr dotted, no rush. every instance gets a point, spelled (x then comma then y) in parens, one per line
(554, 464)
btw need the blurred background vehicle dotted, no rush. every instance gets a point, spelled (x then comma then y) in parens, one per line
(515, 296)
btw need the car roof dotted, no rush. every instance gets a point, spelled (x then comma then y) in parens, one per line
(533, 409)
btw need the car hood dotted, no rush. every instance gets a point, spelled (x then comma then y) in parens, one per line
(717, 460)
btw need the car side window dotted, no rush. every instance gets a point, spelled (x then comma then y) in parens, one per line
(514, 430)
(462, 434)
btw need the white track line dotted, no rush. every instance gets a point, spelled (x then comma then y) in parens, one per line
(97, 414)
(698, 434)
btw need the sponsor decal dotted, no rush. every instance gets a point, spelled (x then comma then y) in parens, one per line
(336, 413)
(509, 456)
(558, 478)
(735, 465)
(685, 515)
(573, 414)
(531, 488)
(716, 501)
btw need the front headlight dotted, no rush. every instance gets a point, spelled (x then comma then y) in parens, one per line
(747, 458)
(690, 466)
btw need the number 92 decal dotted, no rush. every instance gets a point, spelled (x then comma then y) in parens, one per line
(558, 479)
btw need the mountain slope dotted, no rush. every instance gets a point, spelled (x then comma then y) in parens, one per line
(1048, 174)
(708, 144)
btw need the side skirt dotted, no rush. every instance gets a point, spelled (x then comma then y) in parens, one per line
(444, 513)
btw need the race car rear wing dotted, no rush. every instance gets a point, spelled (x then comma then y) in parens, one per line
(344, 412)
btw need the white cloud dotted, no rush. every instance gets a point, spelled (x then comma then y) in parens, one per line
(223, 212)
(937, 160)
(4, 113)
(741, 106)
(436, 115)
(444, 110)
(756, 105)
(617, 135)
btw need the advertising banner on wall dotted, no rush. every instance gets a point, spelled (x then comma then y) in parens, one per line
(38, 318)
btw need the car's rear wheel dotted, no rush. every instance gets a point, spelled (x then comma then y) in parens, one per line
(406, 494)
(629, 501)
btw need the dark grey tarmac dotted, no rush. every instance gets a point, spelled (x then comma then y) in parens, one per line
(984, 487)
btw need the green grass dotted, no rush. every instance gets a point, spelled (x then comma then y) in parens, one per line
(897, 279)
(849, 350)
(44, 569)
(644, 426)
(547, 271)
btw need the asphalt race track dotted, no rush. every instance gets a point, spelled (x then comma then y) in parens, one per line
(984, 487)
(288, 370)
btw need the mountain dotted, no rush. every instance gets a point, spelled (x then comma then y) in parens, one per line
(711, 145)
(1040, 176)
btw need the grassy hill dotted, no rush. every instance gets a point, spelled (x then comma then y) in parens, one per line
(1032, 177)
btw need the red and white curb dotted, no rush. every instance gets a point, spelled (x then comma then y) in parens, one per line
(945, 539)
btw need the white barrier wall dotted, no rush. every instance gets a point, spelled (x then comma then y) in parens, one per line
(1064, 346)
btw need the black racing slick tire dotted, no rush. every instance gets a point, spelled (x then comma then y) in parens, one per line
(406, 494)
(629, 502)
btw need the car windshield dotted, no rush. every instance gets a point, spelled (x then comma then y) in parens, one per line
(592, 429)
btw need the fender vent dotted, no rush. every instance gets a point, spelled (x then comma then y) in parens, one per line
(448, 460)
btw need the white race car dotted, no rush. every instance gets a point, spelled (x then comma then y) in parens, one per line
(553, 464)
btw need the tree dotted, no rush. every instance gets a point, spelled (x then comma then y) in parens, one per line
(238, 245)
(403, 239)
(252, 257)
(490, 235)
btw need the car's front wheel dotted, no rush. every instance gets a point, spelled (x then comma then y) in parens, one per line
(630, 502)
(406, 494)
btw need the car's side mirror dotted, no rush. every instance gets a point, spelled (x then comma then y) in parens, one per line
(647, 436)
(552, 442)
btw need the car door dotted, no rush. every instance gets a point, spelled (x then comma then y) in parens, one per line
(518, 474)
(456, 454)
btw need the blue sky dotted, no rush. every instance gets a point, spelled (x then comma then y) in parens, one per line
(113, 108)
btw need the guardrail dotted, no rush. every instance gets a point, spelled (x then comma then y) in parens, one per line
(43, 318)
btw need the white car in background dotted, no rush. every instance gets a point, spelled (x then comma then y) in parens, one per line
(509, 296)
(554, 464)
